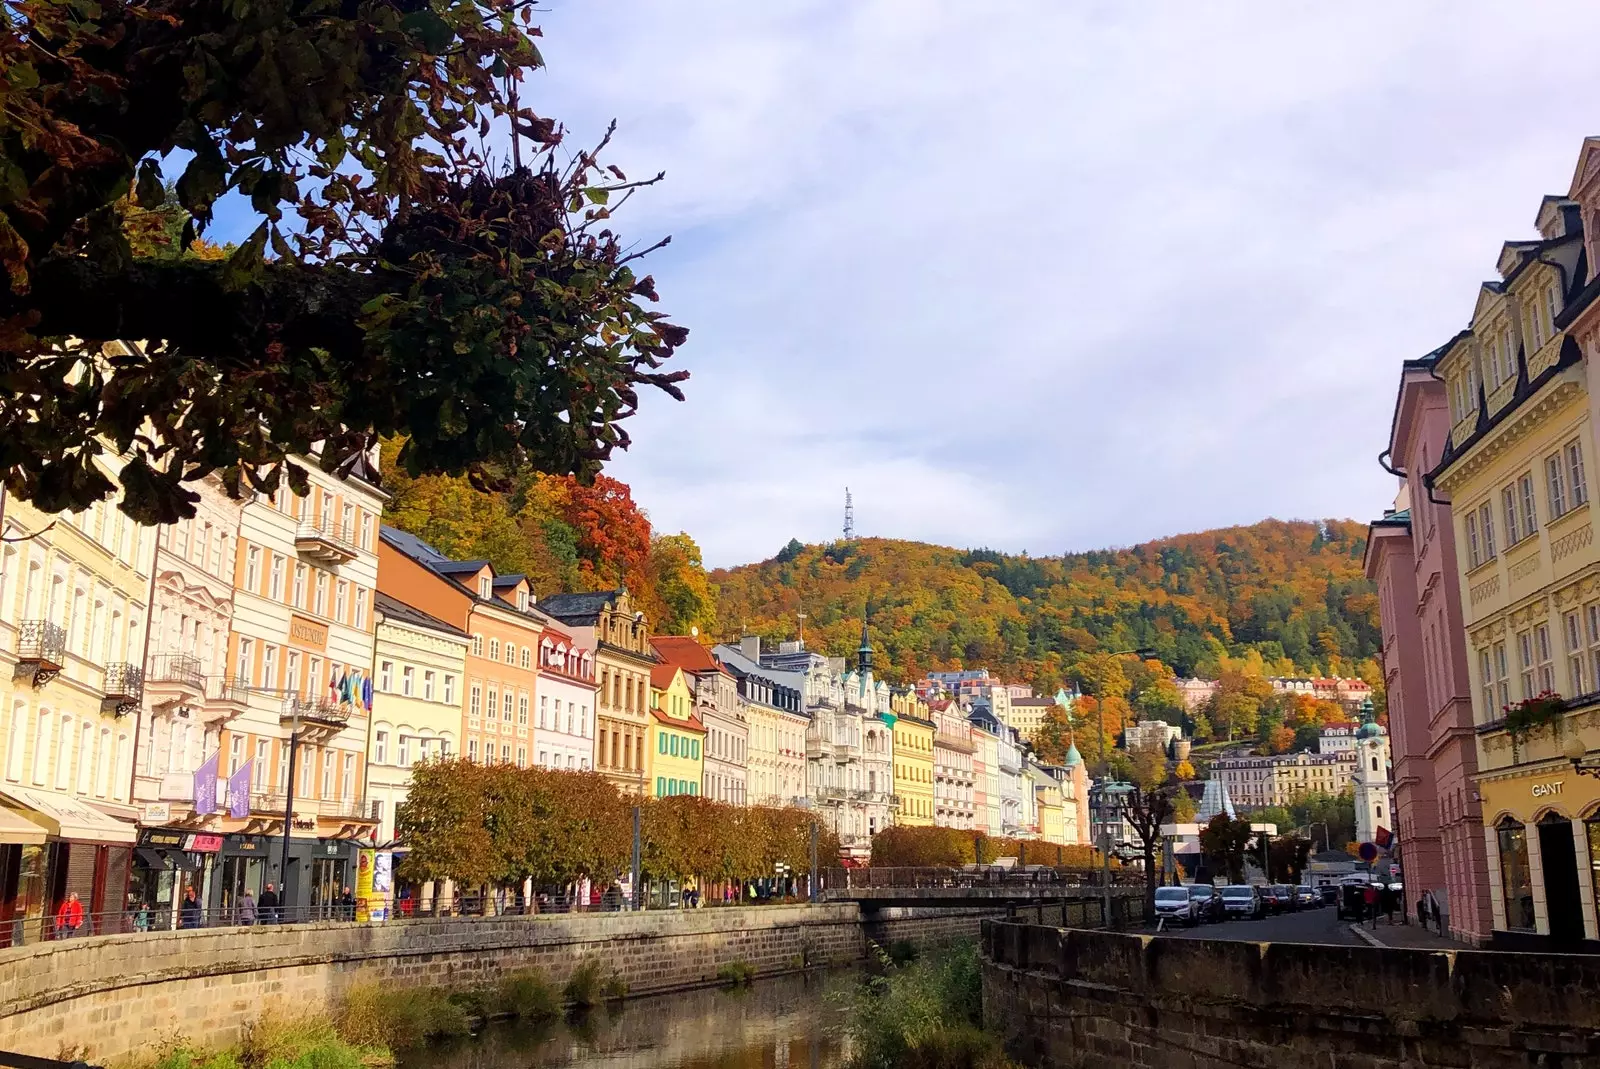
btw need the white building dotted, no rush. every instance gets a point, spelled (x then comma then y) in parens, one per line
(1373, 809)
(564, 728)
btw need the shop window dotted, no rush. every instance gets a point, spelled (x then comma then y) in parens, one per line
(1516, 881)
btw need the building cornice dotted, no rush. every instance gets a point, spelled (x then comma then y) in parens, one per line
(1519, 426)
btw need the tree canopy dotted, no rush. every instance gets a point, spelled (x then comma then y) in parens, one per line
(402, 279)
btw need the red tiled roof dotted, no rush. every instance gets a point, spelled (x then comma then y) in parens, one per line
(661, 675)
(692, 724)
(685, 652)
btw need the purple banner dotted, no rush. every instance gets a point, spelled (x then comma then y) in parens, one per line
(239, 790)
(205, 786)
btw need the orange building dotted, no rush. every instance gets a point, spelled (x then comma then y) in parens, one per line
(497, 612)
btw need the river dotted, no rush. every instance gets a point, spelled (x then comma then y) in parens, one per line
(782, 1023)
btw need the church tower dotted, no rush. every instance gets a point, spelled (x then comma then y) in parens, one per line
(1372, 778)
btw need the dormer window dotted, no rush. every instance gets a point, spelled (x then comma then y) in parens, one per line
(522, 600)
(485, 585)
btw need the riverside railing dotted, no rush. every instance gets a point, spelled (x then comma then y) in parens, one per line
(1033, 876)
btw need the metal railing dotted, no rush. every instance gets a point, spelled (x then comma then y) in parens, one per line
(42, 642)
(346, 808)
(178, 668)
(1033, 876)
(124, 686)
(228, 689)
(315, 711)
(327, 531)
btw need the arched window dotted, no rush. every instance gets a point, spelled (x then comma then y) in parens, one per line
(1374, 764)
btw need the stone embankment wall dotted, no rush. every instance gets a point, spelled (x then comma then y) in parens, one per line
(110, 996)
(1076, 998)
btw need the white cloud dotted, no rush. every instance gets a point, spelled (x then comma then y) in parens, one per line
(1047, 276)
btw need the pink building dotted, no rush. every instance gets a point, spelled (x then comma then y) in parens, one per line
(1411, 556)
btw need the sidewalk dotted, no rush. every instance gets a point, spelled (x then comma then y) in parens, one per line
(1409, 936)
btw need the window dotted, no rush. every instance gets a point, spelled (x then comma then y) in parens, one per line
(472, 749)
(505, 709)
(341, 599)
(269, 667)
(493, 705)
(1556, 485)
(380, 747)
(347, 782)
(259, 769)
(327, 773)
(1544, 659)
(522, 710)
(449, 689)
(511, 653)
(1508, 499)
(408, 679)
(1502, 674)
(475, 701)
(427, 686)
(661, 742)
(386, 675)
(477, 645)
(1516, 881)
(505, 752)
(494, 649)
(361, 608)
(299, 586)
(252, 569)
(244, 668)
(522, 604)
(347, 522)
(1486, 530)
(321, 607)
(1530, 515)
(1577, 485)
(1474, 549)
(277, 577)
(1572, 629)
(485, 586)
(522, 756)
(366, 531)
(544, 703)
(314, 676)
(527, 657)
(1525, 662)
(405, 751)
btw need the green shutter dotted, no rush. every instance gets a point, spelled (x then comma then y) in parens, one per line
(661, 787)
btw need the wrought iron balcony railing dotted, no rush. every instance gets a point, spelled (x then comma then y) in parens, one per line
(41, 651)
(178, 669)
(124, 688)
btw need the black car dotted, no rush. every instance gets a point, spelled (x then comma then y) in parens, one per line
(1329, 893)
(1208, 901)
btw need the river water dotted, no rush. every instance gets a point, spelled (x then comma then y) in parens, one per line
(783, 1023)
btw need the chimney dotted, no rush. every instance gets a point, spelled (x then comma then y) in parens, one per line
(750, 646)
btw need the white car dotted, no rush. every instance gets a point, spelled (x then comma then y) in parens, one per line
(1176, 904)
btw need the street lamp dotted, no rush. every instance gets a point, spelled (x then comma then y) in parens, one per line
(1578, 754)
(288, 804)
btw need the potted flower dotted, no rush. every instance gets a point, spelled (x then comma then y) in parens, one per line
(1530, 716)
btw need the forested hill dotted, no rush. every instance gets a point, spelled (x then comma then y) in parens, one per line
(1289, 597)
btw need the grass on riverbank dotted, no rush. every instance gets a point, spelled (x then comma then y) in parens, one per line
(280, 1043)
(924, 1012)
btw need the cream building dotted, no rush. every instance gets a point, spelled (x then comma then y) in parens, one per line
(74, 600)
(1279, 779)
(564, 733)
(775, 755)
(421, 664)
(1516, 471)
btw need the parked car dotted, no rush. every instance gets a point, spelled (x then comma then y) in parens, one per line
(1242, 900)
(1275, 898)
(1208, 902)
(1177, 905)
(1329, 893)
(1305, 897)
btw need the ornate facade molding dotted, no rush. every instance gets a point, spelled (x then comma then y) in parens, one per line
(1522, 423)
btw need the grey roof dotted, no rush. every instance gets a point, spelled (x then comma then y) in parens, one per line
(398, 610)
(457, 567)
(410, 544)
(578, 608)
(508, 580)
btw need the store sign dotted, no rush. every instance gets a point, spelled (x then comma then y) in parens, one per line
(162, 838)
(308, 632)
(248, 844)
(156, 813)
(204, 844)
(1548, 790)
(331, 848)
(303, 824)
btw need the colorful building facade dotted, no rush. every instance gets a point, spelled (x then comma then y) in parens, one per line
(675, 755)
(913, 759)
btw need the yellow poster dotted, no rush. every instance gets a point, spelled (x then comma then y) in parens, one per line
(364, 868)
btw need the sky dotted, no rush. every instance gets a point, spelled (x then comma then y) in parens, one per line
(1054, 276)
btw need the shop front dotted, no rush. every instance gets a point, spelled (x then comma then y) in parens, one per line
(167, 864)
(319, 871)
(1542, 831)
(71, 849)
(241, 867)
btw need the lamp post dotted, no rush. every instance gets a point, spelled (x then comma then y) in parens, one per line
(1575, 751)
(288, 804)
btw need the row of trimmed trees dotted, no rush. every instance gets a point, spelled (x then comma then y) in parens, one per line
(498, 825)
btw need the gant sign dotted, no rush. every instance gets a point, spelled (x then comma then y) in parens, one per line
(1547, 790)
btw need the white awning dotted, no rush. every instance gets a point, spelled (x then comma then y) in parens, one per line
(18, 831)
(65, 817)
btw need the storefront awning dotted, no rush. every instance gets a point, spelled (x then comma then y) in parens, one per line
(16, 830)
(64, 817)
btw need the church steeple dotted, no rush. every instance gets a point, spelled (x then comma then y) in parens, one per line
(864, 653)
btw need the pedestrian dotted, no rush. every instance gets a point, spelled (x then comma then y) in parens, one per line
(247, 908)
(69, 918)
(1422, 910)
(189, 915)
(268, 907)
(347, 904)
(1390, 898)
(141, 917)
(1369, 899)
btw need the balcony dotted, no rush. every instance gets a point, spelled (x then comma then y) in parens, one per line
(816, 748)
(326, 541)
(321, 713)
(41, 651)
(124, 688)
(268, 803)
(175, 679)
(957, 743)
(225, 698)
(347, 809)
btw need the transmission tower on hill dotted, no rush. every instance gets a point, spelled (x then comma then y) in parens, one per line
(849, 517)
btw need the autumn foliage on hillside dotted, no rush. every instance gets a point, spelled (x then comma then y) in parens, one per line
(1289, 597)
(563, 534)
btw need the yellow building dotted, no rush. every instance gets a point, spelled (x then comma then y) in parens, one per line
(1515, 471)
(676, 738)
(913, 759)
(421, 666)
(74, 600)
(1052, 812)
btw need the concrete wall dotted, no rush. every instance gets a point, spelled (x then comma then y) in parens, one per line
(1077, 998)
(115, 995)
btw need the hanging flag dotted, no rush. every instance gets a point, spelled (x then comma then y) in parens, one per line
(239, 790)
(334, 678)
(205, 786)
(1383, 837)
